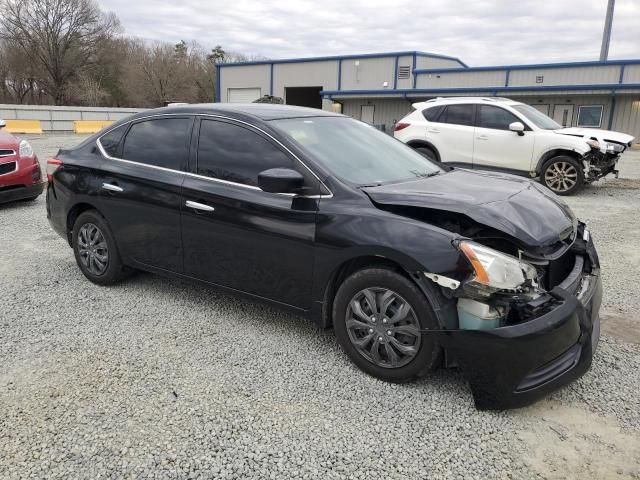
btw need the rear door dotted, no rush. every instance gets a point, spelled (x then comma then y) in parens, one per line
(234, 234)
(497, 146)
(452, 133)
(140, 193)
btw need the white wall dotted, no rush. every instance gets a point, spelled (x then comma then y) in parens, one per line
(61, 118)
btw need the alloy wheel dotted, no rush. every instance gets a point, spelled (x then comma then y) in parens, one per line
(561, 176)
(383, 327)
(93, 249)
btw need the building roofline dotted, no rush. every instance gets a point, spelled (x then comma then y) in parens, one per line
(406, 91)
(345, 57)
(595, 63)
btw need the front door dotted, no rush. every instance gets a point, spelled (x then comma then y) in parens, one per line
(140, 192)
(563, 114)
(234, 234)
(497, 146)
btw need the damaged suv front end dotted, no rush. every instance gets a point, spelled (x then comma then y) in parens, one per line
(605, 150)
(520, 309)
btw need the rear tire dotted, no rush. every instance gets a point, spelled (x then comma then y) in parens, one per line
(385, 341)
(95, 249)
(563, 175)
(428, 153)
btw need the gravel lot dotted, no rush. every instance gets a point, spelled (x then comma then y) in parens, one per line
(156, 378)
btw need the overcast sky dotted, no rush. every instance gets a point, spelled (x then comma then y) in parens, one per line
(479, 32)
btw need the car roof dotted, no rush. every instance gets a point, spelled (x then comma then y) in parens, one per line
(262, 111)
(450, 100)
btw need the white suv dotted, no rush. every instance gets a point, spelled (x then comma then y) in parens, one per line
(501, 134)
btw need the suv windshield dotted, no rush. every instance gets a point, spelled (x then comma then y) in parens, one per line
(355, 151)
(536, 117)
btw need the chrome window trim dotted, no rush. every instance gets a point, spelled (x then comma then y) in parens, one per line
(195, 175)
(12, 171)
(11, 154)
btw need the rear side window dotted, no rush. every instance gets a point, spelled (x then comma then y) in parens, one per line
(236, 154)
(161, 143)
(111, 141)
(457, 114)
(432, 113)
(495, 117)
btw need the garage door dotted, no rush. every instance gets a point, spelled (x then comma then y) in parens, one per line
(243, 95)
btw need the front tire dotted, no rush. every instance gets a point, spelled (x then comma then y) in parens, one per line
(562, 175)
(378, 316)
(95, 249)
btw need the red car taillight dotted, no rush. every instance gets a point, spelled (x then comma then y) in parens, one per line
(400, 126)
(52, 166)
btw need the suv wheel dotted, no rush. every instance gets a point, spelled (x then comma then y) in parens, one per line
(563, 175)
(428, 153)
(95, 249)
(378, 316)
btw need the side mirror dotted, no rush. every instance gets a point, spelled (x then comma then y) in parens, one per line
(2, 124)
(517, 127)
(280, 180)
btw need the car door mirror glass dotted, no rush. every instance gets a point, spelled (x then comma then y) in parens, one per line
(280, 180)
(517, 127)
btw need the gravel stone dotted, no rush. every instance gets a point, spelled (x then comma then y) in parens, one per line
(160, 379)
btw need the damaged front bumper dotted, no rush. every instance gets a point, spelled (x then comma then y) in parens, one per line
(515, 365)
(599, 165)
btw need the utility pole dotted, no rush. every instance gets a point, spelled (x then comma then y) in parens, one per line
(606, 35)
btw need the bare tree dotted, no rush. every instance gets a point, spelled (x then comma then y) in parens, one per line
(61, 35)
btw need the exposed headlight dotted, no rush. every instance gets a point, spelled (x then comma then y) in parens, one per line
(496, 270)
(594, 144)
(25, 149)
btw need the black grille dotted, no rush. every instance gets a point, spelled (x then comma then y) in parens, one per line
(7, 167)
(6, 152)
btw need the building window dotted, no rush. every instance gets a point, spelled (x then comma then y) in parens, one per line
(590, 115)
(404, 71)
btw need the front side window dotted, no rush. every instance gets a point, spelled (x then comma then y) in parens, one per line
(495, 117)
(161, 142)
(111, 141)
(536, 117)
(589, 116)
(236, 154)
(457, 114)
(354, 151)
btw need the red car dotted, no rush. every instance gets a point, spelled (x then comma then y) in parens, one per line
(20, 174)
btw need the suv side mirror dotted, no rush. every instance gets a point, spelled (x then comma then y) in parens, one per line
(280, 180)
(2, 124)
(517, 127)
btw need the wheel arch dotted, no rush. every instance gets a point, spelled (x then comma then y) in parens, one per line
(74, 213)
(424, 143)
(556, 152)
(443, 307)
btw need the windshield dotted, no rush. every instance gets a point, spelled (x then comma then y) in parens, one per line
(536, 117)
(355, 151)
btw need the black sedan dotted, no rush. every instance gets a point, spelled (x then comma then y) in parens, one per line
(414, 265)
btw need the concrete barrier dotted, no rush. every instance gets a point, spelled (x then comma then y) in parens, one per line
(23, 126)
(61, 119)
(90, 126)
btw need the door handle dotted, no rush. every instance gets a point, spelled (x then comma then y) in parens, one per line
(482, 137)
(112, 188)
(433, 130)
(199, 206)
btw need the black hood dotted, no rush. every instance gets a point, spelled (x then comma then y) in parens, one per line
(516, 206)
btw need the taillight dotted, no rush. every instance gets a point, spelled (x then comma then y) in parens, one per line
(52, 166)
(400, 126)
